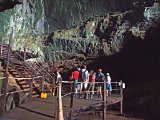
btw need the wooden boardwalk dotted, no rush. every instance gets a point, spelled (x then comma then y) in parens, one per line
(43, 109)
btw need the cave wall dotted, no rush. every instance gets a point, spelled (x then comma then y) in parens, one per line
(117, 32)
(31, 20)
(137, 61)
(62, 14)
(44, 16)
(24, 24)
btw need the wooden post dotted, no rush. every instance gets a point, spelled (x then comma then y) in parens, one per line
(1, 49)
(24, 57)
(60, 107)
(121, 94)
(72, 95)
(42, 83)
(56, 101)
(104, 100)
(116, 87)
(53, 83)
(3, 93)
(31, 87)
(5, 81)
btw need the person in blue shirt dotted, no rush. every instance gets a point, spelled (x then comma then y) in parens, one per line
(100, 78)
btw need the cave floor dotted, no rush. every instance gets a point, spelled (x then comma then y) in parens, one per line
(43, 109)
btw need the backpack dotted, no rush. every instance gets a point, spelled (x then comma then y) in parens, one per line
(82, 75)
(100, 77)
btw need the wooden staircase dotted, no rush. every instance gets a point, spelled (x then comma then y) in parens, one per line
(4, 51)
(22, 76)
(23, 72)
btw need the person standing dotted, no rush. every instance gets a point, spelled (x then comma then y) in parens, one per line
(92, 78)
(84, 78)
(100, 78)
(75, 77)
(109, 86)
(53, 75)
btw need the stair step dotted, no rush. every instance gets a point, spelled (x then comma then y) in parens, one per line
(20, 67)
(24, 73)
(25, 87)
(3, 56)
(15, 73)
(5, 50)
(33, 91)
(21, 81)
(12, 70)
(27, 73)
(35, 96)
(24, 84)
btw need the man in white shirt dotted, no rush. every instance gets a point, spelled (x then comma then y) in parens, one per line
(84, 75)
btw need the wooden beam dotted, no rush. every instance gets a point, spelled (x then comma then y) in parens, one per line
(5, 81)
(31, 87)
(3, 93)
(72, 95)
(121, 102)
(104, 100)
(24, 57)
(42, 83)
(60, 107)
(1, 48)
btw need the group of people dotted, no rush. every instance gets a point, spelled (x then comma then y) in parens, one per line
(90, 82)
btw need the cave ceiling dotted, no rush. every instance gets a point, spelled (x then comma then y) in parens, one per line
(33, 21)
(60, 14)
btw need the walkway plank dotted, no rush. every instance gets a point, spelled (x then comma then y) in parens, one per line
(43, 109)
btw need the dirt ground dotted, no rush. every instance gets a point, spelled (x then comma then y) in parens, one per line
(111, 115)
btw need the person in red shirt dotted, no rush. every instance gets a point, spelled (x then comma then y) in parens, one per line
(75, 77)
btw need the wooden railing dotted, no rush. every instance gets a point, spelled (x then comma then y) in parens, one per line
(25, 70)
(117, 93)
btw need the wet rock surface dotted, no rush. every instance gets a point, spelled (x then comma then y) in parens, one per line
(125, 44)
(133, 57)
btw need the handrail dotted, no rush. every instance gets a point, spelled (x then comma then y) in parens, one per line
(41, 67)
(28, 78)
(29, 64)
(17, 91)
(18, 55)
(118, 88)
(87, 82)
